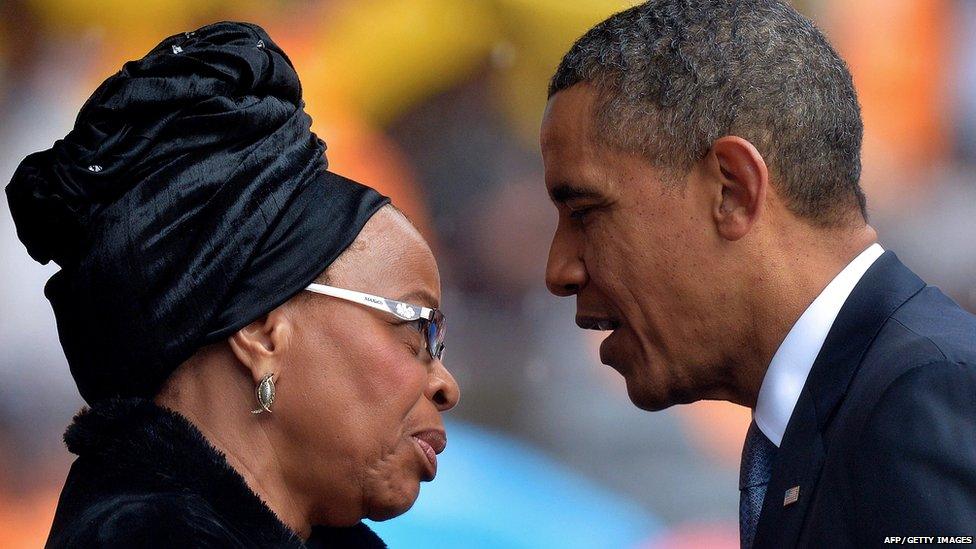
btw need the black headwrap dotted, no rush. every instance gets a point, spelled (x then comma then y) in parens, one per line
(190, 198)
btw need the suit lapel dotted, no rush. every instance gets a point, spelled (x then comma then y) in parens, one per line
(885, 286)
(798, 464)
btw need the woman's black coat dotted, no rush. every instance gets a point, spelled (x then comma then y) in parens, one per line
(146, 477)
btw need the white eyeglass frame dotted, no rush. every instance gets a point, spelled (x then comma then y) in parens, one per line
(399, 309)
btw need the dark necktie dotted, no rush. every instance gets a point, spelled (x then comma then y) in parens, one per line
(758, 455)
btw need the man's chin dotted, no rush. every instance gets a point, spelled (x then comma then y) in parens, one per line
(651, 399)
(648, 388)
(646, 402)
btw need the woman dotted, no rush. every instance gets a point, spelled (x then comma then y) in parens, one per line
(258, 338)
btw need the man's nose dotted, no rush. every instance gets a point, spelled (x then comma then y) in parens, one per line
(565, 271)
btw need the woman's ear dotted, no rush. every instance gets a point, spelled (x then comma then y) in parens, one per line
(261, 345)
(742, 181)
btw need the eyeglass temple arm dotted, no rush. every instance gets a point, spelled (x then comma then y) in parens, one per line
(404, 311)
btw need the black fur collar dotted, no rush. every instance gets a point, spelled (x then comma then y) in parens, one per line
(153, 449)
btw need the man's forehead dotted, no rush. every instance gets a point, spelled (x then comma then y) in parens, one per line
(568, 116)
(570, 148)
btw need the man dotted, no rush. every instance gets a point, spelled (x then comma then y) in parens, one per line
(704, 158)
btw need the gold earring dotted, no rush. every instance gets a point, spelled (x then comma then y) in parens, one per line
(265, 391)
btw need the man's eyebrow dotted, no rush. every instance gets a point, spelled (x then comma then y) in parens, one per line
(419, 297)
(565, 192)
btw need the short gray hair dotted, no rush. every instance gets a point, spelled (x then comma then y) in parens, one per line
(675, 75)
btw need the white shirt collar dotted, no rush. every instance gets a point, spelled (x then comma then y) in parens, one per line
(788, 371)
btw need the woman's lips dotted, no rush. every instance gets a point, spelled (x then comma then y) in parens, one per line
(430, 443)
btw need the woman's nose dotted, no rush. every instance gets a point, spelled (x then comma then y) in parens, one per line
(442, 389)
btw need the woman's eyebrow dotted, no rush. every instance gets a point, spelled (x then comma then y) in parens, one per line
(420, 297)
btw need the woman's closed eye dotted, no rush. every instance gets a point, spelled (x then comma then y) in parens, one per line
(412, 336)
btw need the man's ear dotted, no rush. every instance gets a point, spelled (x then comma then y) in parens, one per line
(742, 180)
(260, 345)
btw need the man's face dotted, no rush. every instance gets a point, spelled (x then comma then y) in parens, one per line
(634, 249)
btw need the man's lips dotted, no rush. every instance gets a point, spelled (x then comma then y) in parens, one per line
(430, 443)
(609, 351)
(600, 323)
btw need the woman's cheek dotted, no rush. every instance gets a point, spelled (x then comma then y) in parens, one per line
(399, 373)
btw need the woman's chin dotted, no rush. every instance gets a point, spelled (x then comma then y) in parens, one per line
(395, 503)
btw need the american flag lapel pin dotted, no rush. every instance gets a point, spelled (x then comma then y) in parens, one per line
(791, 496)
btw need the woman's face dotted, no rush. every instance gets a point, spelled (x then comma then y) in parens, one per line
(359, 397)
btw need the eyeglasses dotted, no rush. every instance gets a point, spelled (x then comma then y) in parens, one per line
(431, 321)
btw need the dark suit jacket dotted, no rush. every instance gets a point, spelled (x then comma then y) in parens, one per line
(882, 441)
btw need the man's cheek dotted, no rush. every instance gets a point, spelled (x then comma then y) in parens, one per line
(604, 269)
(609, 248)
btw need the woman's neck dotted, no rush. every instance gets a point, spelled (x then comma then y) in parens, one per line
(216, 403)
